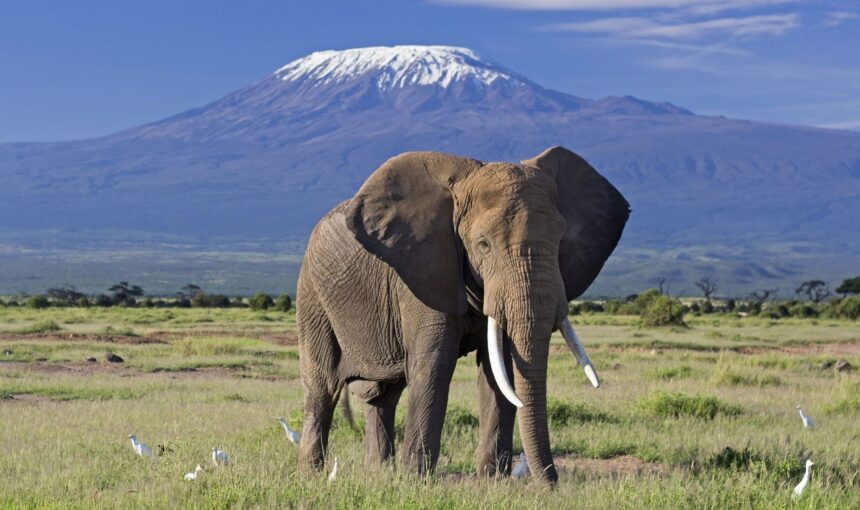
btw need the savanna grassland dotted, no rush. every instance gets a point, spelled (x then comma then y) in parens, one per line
(695, 417)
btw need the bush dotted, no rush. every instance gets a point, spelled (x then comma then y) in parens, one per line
(675, 405)
(83, 302)
(663, 311)
(561, 413)
(261, 301)
(38, 302)
(643, 300)
(40, 327)
(849, 308)
(219, 301)
(103, 301)
(459, 417)
(284, 303)
(616, 307)
(803, 311)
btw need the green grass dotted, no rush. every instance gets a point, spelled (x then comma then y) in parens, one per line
(711, 406)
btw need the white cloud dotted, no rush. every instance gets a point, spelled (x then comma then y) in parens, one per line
(694, 6)
(638, 27)
(836, 18)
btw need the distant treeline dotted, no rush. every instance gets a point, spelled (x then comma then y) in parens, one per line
(124, 294)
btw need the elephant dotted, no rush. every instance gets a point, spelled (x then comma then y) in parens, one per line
(437, 256)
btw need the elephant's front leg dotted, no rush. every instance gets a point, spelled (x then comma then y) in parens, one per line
(497, 417)
(429, 377)
(379, 421)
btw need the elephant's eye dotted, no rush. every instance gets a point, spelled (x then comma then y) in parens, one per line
(483, 246)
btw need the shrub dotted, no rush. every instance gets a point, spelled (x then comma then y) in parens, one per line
(613, 306)
(849, 308)
(663, 311)
(561, 413)
(643, 300)
(459, 417)
(675, 405)
(803, 311)
(38, 302)
(261, 301)
(103, 301)
(724, 375)
(83, 302)
(219, 301)
(40, 327)
(284, 303)
(707, 307)
(670, 373)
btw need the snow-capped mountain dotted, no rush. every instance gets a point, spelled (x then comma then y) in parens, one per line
(747, 202)
(398, 67)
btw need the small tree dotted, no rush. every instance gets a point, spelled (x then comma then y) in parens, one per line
(763, 295)
(284, 303)
(849, 286)
(38, 302)
(261, 301)
(66, 295)
(708, 286)
(816, 290)
(125, 294)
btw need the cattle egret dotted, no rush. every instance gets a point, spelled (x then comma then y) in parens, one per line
(219, 457)
(292, 435)
(522, 469)
(140, 448)
(807, 421)
(194, 474)
(333, 473)
(798, 491)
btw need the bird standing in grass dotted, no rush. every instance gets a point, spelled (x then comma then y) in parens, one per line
(807, 420)
(522, 469)
(798, 490)
(194, 474)
(220, 457)
(333, 473)
(139, 447)
(292, 435)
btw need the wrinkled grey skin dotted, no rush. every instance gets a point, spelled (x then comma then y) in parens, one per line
(398, 281)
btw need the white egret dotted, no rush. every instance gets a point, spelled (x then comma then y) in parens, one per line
(333, 473)
(139, 447)
(293, 435)
(798, 491)
(522, 469)
(807, 420)
(220, 457)
(194, 474)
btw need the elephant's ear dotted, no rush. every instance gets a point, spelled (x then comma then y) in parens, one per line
(404, 214)
(595, 212)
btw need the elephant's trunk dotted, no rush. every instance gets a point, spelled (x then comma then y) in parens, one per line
(530, 351)
(529, 305)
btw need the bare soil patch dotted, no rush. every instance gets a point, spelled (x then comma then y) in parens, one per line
(81, 337)
(624, 465)
(24, 398)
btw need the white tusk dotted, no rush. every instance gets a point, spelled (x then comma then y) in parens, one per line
(575, 345)
(497, 363)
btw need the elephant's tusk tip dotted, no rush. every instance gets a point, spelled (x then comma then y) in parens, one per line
(592, 375)
(515, 400)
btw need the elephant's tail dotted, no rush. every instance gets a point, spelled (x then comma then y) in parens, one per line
(346, 407)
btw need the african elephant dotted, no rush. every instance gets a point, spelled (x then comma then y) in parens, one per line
(437, 256)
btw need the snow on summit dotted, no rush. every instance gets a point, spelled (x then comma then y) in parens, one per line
(398, 67)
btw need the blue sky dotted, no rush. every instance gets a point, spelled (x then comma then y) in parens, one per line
(81, 69)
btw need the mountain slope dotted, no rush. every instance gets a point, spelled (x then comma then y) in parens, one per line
(755, 204)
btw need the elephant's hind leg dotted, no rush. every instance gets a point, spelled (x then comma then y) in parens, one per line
(319, 356)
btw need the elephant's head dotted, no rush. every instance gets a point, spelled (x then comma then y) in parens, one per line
(525, 238)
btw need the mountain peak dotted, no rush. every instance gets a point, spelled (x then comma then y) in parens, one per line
(394, 67)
